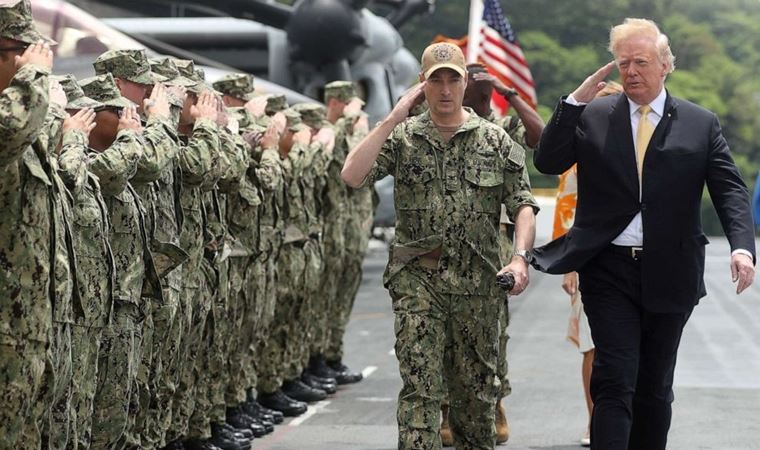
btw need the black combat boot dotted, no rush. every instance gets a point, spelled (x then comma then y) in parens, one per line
(227, 440)
(318, 366)
(278, 401)
(276, 417)
(298, 390)
(316, 382)
(345, 375)
(238, 419)
(199, 444)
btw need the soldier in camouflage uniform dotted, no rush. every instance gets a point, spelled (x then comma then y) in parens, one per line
(25, 238)
(344, 108)
(478, 95)
(116, 147)
(92, 299)
(199, 135)
(318, 159)
(453, 170)
(134, 78)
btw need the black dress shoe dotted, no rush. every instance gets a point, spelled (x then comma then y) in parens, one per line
(318, 366)
(238, 432)
(223, 437)
(318, 383)
(345, 375)
(298, 390)
(199, 444)
(278, 401)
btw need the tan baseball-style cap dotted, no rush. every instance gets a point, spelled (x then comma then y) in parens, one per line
(443, 55)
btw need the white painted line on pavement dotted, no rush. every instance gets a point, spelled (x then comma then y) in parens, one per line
(313, 409)
(369, 370)
(364, 333)
(392, 352)
(376, 399)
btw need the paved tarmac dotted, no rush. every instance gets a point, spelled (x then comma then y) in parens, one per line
(717, 380)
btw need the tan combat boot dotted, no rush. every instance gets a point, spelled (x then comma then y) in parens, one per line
(502, 427)
(447, 439)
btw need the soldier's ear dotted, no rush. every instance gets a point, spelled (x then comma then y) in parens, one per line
(422, 77)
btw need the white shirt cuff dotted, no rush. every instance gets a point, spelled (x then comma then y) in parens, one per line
(741, 251)
(570, 100)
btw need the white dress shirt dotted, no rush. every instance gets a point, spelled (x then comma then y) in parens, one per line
(633, 234)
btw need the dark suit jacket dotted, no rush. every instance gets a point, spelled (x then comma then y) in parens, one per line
(686, 152)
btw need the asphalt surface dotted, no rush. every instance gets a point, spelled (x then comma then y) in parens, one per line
(717, 380)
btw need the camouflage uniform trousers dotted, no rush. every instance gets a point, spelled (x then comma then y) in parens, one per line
(167, 334)
(209, 308)
(85, 351)
(278, 352)
(247, 282)
(196, 306)
(444, 340)
(340, 311)
(141, 400)
(22, 367)
(303, 328)
(222, 343)
(56, 391)
(118, 364)
(266, 307)
(324, 299)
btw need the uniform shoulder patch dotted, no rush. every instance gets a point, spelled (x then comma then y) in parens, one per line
(516, 155)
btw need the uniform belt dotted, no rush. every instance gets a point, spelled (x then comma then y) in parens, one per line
(632, 252)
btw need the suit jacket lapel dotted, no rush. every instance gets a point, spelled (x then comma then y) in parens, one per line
(661, 131)
(622, 147)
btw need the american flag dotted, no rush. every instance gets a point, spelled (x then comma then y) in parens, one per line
(495, 44)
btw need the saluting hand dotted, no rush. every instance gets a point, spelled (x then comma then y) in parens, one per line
(409, 100)
(353, 107)
(257, 105)
(157, 105)
(743, 271)
(130, 120)
(38, 53)
(326, 137)
(205, 107)
(593, 84)
(57, 94)
(83, 120)
(271, 139)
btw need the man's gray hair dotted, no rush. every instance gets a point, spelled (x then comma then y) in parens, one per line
(647, 28)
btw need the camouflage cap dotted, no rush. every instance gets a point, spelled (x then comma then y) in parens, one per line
(341, 90)
(275, 103)
(238, 85)
(75, 95)
(166, 68)
(294, 123)
(187, 69)
(312, 114)
(131, 65)
(17, 23)
(103, 89)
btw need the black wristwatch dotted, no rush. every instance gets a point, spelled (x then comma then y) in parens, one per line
(510, 92)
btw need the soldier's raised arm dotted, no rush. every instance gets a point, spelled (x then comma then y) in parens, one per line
(361, 159)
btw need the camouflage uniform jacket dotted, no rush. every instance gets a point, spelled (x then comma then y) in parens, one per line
(25, 195)
(313, 181)
(198, 155)
(448, 195)
(297, 222)
(135, 275)
(360, 205)
(269, 175)
(513, 126)
(243, 206)
(93, 298)
(64, 259)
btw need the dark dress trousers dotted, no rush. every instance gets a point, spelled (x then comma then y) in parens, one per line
(637, 307)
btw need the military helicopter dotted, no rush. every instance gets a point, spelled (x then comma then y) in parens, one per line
(301, 47)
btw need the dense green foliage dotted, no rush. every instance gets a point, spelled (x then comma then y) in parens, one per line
(716, 43)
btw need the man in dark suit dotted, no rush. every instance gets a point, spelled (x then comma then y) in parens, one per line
(643, 160)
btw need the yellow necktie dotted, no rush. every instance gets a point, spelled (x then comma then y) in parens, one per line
(643, 136)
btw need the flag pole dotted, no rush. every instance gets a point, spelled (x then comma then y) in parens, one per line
(473, 32)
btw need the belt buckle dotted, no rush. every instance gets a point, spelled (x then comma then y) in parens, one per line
(635, 252)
